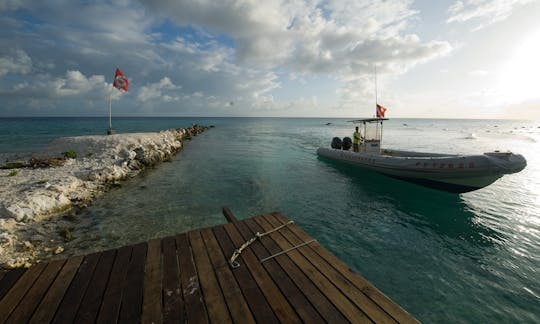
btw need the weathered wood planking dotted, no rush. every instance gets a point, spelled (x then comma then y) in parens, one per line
(187, 278)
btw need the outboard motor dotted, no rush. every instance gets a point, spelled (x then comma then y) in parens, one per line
(347, 143)
(336, 143)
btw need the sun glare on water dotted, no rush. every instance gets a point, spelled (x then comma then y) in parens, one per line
(520, 78)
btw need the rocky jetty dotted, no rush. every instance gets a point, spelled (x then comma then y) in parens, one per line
(38, 194)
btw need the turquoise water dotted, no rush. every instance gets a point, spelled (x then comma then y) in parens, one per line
(20, 135)
(472, 258)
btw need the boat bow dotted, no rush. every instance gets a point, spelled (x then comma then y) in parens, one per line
(507, 162)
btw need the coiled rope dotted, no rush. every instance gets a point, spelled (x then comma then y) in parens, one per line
(232, 261)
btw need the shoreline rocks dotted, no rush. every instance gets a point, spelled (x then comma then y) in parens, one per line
(68, 174)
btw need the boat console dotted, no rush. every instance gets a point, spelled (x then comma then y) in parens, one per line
(371, 146)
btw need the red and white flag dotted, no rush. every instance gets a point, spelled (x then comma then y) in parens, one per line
(380, 111)
(120, 81)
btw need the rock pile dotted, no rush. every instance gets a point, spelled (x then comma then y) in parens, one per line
(70, 172)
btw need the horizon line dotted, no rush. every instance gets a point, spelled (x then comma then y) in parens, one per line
(283, 117)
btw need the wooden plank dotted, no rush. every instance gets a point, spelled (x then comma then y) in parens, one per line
(234, 298)
(191, 281)
(372, 310)
(398, 313)
(112, 298)
(317, 298)
(75, 293)
(279, 304)
(295, 296)
(89, 309)
(47, 308)
(9, 279)
(173, 305)
(191, 292)
(229, 215)
(211, 292)
(130, 311)
(152, 297)
(257, 302)
(18, 290)
(342, 303)
(31, 300)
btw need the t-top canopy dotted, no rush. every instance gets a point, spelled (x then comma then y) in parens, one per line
(367, 120)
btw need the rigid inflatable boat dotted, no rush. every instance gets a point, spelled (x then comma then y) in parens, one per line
(449, 172)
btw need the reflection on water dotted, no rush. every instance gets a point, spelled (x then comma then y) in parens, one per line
(444, 213)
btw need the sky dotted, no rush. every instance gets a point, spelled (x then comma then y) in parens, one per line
(296, 58)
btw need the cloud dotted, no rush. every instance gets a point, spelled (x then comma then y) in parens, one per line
(479, 73)
(67, 35)
(74, 84)
(307, 37)
(11, 4)
(18, 62)
(44, 94)
(341, 38)
(207, 56)
(357, 92)
(382, 18)
(228, 51)
(159, 91)
(257, 27)
(482, 12)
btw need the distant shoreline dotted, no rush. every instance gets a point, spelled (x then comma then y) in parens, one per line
(68, 174)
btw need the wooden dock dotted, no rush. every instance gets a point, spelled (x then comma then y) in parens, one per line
(187, 278)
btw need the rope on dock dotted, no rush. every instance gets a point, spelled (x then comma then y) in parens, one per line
(288, 250)
(232, 261)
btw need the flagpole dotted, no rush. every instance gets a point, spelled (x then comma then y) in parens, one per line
(376, 103)
(120, 82)
(110, 131)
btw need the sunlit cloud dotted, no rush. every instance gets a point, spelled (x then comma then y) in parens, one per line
(164, 90)
(520, 76)
(198, 57)
(479, 73)
(341, 38)
(482, 12)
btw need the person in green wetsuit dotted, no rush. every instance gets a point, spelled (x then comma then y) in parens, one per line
(356, 140)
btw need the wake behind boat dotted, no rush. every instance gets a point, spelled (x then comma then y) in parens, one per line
(449, 172)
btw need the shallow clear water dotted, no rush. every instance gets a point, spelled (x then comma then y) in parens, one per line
(473, 257)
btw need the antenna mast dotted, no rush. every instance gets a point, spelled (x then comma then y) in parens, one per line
(377, 136)
(375, 67)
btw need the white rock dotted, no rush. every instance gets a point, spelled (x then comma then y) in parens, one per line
(5, 238)
(100, 160)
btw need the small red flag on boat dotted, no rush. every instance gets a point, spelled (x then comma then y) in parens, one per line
(120, 80)
(380, 111)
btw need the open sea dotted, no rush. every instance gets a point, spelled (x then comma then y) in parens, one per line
(446, 258)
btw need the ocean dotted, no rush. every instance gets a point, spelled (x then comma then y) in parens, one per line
(446, 258)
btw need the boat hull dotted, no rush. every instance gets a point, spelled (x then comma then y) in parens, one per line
(452, 173)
